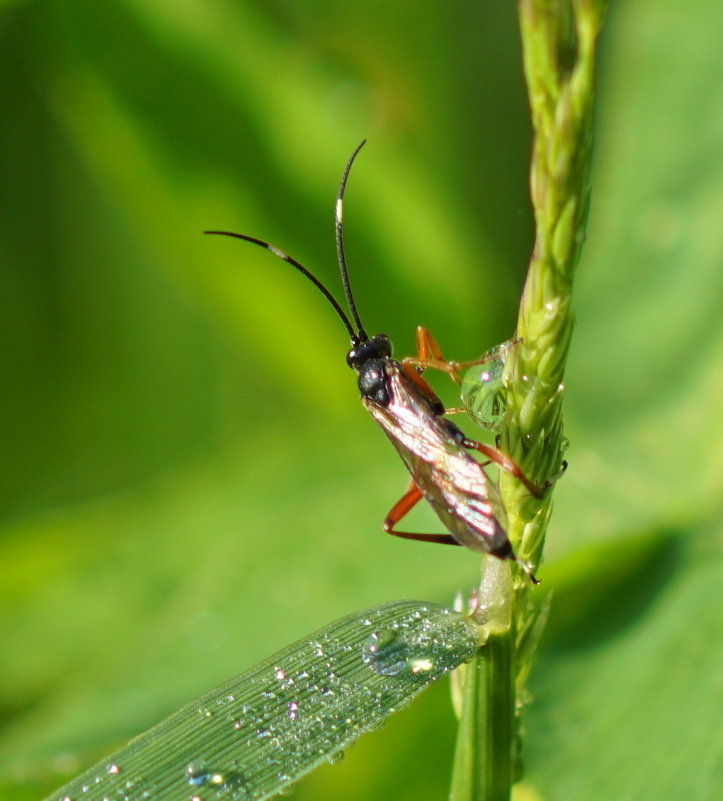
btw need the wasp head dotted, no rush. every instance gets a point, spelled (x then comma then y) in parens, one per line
(367, 357)
(378, 347)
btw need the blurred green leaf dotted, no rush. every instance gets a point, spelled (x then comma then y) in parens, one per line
(645, 374)
(628, 693)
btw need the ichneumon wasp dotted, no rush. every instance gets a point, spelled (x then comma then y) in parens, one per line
(434, 450)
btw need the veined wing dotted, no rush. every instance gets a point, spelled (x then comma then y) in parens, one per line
(452, 481)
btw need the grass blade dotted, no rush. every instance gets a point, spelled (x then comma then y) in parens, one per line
(261, 731)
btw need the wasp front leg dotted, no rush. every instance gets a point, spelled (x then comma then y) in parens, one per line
(429, 356)
(401, 508)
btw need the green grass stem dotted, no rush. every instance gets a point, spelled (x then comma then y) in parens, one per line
(559, 40)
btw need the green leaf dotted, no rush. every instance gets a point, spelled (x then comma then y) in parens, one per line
(643, 384)
(628, 692)
(260, 732)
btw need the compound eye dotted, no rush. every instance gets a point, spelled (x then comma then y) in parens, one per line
(378, 347)
(361, 353)
(357, 355)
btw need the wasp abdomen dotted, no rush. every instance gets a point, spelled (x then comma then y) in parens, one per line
(452, 430)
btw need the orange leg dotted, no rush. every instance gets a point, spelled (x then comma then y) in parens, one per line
(506, 463)
(429, 356)
(404, 505)
(416, 378)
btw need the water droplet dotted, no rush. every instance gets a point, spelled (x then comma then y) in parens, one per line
(335, 757)
(197, 774)
(279, 674)
(483, 389)
(113, 769)
(385, 652)
(238, 785)
(293, 710)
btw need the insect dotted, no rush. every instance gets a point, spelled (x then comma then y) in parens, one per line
(435, 451)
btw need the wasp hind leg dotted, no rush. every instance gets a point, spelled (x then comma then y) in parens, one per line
(402, 507)
(506, 463)
(409, 500)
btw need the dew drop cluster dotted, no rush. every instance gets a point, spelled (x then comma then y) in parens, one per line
(257, 734)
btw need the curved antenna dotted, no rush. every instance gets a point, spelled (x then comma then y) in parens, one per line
(339, 226)
(300, 267)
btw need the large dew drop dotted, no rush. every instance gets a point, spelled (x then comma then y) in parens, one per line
(386, 653)
(483, 389)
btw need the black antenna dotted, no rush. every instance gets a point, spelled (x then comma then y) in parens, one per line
(361, 335)
(300, 267)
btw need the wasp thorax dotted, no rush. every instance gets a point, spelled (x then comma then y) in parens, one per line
(373, 381)
(378, 347)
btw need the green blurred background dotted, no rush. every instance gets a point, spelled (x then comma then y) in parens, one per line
(189, 481)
